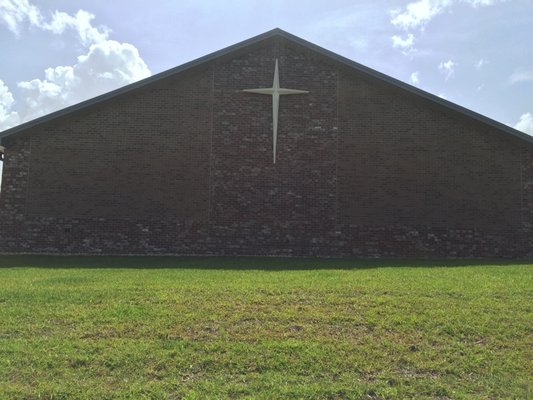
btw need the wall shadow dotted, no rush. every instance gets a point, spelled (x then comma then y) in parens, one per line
(239, 263)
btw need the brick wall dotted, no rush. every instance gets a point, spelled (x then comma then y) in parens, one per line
(527, 192)
(15, 180)
(406, 162)
(259, 206)
(184, 166)
(113, 161)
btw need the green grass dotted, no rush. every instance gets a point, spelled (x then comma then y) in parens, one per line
(215, 328)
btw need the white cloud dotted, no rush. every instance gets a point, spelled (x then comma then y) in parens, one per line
(405, 44)
(111, 60)
(525, 124)
(521, 76)
(8, 118)
(81, 23)
(15, 12)
(414, 78)
(105, 66)
(478, 3)
(419, 13)
(481, 63)
(448, 69)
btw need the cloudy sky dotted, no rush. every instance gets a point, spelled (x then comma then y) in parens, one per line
(476, 53)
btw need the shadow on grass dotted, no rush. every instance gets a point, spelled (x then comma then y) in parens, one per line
(236, 263)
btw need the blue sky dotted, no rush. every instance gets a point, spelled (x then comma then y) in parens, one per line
(476, 53)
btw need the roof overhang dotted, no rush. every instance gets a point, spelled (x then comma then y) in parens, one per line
(273, 33)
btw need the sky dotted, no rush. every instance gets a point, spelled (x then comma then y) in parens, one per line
(476, 53)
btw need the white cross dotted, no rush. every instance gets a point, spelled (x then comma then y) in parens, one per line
(275, 91)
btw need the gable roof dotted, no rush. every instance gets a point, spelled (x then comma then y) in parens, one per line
(272, 33)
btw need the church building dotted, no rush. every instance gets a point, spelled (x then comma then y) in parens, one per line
(272, 146)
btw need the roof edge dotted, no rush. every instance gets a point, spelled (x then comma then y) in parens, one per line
(396, 82)
(255, 39)
(139, 84)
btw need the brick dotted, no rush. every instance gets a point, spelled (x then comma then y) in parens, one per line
(184, 166)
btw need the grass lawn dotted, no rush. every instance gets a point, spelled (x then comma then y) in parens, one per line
(215, 328)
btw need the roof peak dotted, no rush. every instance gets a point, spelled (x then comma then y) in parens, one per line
(248, 42)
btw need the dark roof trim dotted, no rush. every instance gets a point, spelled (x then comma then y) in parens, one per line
(251, 41)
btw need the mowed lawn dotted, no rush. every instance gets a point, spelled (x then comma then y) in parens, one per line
(216, 328)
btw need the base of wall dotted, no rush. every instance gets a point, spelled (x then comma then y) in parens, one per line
(150, 237)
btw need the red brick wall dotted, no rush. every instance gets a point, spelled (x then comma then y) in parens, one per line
(114, 161)
(527, 191)
(15, 180)
(404, 161)
(291, 202)
(184, 166)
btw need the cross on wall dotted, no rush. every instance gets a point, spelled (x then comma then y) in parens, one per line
(275, 91)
